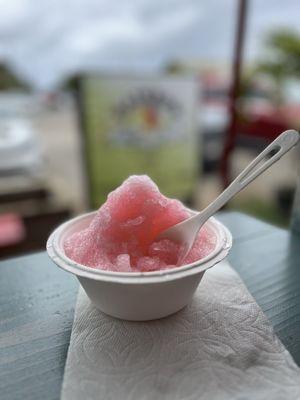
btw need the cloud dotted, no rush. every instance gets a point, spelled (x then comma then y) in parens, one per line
(45, 41)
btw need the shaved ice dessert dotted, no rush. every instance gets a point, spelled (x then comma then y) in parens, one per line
(122, 235)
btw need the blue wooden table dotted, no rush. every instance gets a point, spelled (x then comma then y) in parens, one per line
(37, 303)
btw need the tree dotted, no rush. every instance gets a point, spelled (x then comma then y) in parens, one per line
(8, 80)
(282, 58)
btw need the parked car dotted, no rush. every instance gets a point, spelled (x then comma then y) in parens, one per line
(19, 148)
(260, 120)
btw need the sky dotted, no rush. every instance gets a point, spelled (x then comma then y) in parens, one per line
(46, 41)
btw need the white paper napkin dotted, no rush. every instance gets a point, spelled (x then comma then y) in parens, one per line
(221, 346)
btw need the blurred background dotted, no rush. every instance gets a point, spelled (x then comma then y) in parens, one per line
(187, 92)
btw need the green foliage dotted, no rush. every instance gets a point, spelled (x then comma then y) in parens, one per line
(8, 80)
(285, 45)
(266, 211)
(282, 58)
(174, 67)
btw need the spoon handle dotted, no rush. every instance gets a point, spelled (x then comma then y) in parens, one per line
(281, 145)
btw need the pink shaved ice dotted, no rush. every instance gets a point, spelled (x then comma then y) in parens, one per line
(121, 237)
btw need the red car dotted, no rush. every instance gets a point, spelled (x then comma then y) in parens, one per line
(260, 119)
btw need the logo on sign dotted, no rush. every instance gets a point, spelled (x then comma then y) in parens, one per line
(147, 118)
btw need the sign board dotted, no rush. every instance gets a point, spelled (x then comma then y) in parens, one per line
(139, 125)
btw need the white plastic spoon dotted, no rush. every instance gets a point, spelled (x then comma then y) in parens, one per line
(185, 232)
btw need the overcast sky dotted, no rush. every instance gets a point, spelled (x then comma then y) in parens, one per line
(44, 41)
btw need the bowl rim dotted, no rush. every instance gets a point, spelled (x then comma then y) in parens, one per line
(58, 256)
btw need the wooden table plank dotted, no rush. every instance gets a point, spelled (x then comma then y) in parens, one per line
(270, 267)
(37, 304)
(36, 314)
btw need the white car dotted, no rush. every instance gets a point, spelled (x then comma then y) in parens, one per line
(19, 147)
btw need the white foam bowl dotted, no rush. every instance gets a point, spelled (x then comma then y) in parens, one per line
(137, 296)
